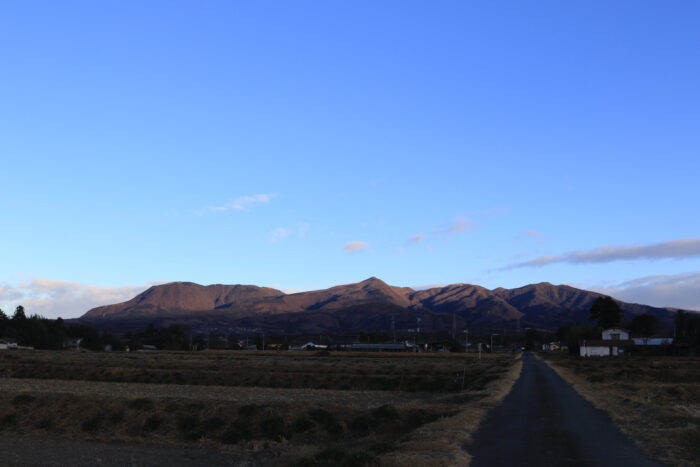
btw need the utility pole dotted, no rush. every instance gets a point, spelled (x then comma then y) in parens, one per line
(466, 340)
(494, 334)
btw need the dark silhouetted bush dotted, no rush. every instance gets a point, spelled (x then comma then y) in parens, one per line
(238, 431)
(140, 404)
(273, 428)
(387, 412)
(153, 423)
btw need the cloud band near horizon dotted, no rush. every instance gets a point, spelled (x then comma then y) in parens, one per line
(673, 249)
(54, 298)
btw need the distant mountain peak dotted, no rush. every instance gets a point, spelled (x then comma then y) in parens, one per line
(540, 305)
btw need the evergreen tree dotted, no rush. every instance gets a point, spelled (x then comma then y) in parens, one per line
(645, 325)
(19, 315)
(606, 312)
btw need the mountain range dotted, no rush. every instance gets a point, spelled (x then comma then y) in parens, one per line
(367, 306)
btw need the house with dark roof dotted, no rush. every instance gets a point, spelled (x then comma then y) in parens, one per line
(613, 342)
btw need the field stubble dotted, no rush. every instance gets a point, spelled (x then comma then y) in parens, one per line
(310, 409)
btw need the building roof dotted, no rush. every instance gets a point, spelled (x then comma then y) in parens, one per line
(345, 340)
(378, 347)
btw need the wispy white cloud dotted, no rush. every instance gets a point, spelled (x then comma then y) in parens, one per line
(53, 298)
(662, 290)
(416, 239)
(243, 203)
(280, 233)
(674, 249)
(460, 225)
(355, 246)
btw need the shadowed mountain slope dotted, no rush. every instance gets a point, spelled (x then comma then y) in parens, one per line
(182, 297)
(363, 306)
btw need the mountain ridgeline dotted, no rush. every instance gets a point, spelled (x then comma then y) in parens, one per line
(367, 306)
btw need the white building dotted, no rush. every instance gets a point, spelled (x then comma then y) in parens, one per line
(614, 342)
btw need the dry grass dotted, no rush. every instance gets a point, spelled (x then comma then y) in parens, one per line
(654, 400)
(442, 443)
(338, 370)
(87, 396)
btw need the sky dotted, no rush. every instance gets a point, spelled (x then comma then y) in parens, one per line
(300, 145)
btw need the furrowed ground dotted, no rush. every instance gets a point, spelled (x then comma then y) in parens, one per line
(654, 400)
(297, 407)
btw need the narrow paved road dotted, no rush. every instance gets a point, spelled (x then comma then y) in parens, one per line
(545, 422)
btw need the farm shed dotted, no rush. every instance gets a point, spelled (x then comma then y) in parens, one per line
(8, 343)
(343, 342)
(653, 341)
(614, 342)
(379, 347)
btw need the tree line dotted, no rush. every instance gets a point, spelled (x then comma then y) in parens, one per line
(42, 333)
(605, 313)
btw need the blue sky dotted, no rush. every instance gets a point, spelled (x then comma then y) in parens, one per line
(304, 144)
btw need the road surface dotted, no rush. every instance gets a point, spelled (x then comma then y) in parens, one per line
(545, 422)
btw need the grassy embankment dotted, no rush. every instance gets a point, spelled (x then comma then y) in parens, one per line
(310, 409)
(654, 400)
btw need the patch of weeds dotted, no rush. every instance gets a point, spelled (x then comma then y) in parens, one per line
(141, 403)
(690, 440)
(171, 407)
(382, 447)
(22, 399)
(116, 417)
(247, 411)
(321, 416)
(44, 424)
(329, 422)
(420, 417)
(341, 458)
(8, 420)
(153, 423)
(630, 387)
(335, 429)
(301, 425)
(92, 424)
(213, 424)
(273, 428)
(239, 430)
(596, 378)
(387, 412)
(194, 435)
(360, 426)
(187, 423)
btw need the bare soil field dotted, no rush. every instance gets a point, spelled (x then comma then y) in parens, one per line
(439, 372)
(298, 408)
(654, 400)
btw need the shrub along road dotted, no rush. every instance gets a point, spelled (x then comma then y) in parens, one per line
(545, 422)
